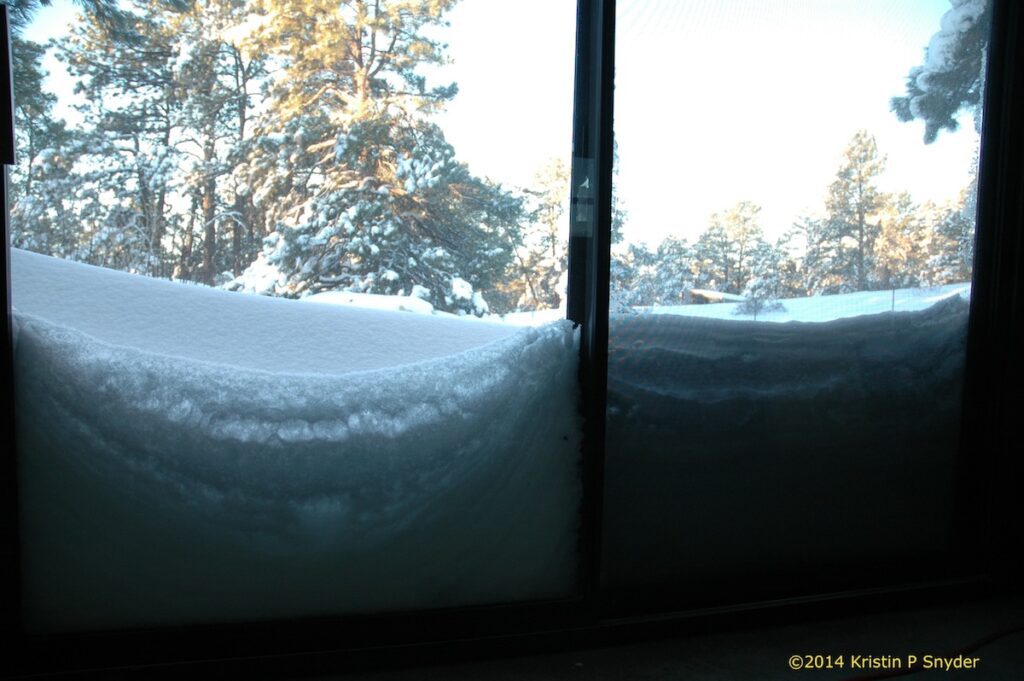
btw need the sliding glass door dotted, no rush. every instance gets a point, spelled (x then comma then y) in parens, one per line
(793, 231)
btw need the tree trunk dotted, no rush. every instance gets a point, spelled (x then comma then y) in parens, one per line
(861, 276)
(237, 226)
(185, 266)
(209, 210)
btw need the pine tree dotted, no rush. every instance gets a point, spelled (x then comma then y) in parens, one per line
(950, 247)
(841, 247)
(724, 250)
(361, 191)
(633, 278)
(676, 271)
(541, 260)
(108, 12)
(900, 249)
(745, 236)
(792, 249)
(952, 75)
(763, 288)
(43, 181)
(712, 257)
(125, 72)
(215, 76)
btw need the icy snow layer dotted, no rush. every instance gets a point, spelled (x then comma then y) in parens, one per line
(737, 448)
(162, 489)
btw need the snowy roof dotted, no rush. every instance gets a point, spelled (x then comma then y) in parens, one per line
(717, 296)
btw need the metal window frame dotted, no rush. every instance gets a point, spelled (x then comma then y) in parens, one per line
(992, 510)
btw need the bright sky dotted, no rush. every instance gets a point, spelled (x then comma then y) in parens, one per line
(717, 101)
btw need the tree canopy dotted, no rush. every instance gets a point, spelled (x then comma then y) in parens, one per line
(951, 78)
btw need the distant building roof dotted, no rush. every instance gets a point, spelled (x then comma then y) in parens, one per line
(716, 296)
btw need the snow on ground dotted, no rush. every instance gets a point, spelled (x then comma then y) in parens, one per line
(809, 309)
(789, 447)
(533, 317)
(375, 301)
(235, 329)
(188, 454)
(827, 308)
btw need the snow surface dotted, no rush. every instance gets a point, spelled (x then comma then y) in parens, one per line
(235, 329)
(808, 309)
(789, 447)
(189, 454)
(827, 308)
(376, 301)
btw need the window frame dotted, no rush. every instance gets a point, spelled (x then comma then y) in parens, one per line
(991, 510)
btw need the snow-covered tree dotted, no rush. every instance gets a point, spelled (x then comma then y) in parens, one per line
(900, 250)
(792, 249)
(541, 261)
(678, 271)
(952, 76)
(124, 72)
(215, 76)
(841, 246)
(361, 190)
(950, 248)
(43, 180)
(745, 235)
(711, 254)
(723, 252)
(764, 287)
(631, 278)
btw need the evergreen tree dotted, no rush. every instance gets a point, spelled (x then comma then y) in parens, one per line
(676, 271)
(109, 12)
(131, 119)
(634, 272)
(764, 286)
(724, 250)
(215, 75)
(361, 190)
(712, 257)
(900, 249)
(841, 247)
(745, 236)
(792, 249)
(950, 248)
(541, 261)
(43, 181)
(952, 75)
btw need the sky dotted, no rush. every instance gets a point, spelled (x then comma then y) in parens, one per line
(717, 101)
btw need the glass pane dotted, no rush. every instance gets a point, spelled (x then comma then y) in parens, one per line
(374, 431)
(795, 195)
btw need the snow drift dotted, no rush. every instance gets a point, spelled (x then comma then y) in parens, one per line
(193, 455)
(734, 444)
(161, 488)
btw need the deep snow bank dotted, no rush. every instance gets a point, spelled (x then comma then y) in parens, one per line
(235, 329)
(736, 444)
(160, 489)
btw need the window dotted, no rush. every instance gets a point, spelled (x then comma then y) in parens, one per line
(790, 291)
(393, 439)
(263, 515)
